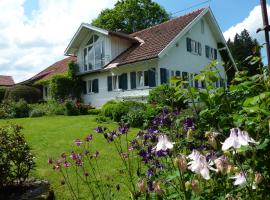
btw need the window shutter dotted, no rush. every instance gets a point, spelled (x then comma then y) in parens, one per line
(199, 48)
(215, 54)
(95, 86)
(207, 51)
(152, 77)
(84, 85)
(109, 83)
(177, 73)
(124, 81)
(163, 76)
(133, 80)
(189, 44)
(120, 82)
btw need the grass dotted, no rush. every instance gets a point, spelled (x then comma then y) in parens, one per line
(51, 136)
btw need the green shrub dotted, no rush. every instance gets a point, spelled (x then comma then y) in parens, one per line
(16, 158)
(28, 93)
(7, 110)
(135, 118)
(2, 93)
(55, 108)
(60, 87)
(70, 108)
(101, 118)
(94, 111)
(164, 95)
(37, 112)
(21, 108)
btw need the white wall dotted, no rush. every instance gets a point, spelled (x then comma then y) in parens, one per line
(98, 99)
(178, 58)
(118, 46)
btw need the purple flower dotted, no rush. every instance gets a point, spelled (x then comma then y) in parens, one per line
(150, 172)
(161, 153)
(188, 123)
(78, 142)
(78, 162)
(140, 134)
(56, 167)
(66, 164)
(50, 161)
(100, 129)
(63, 155)
(150, 185)
(89, 138)
(123, 128)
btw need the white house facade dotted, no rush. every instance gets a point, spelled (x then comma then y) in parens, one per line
(119, 66)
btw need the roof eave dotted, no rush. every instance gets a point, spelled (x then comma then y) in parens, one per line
(68, 51)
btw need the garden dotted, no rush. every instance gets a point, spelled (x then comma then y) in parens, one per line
(184, 143)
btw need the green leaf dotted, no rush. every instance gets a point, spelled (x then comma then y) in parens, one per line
(263, 145)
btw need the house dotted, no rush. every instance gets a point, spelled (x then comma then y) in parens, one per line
(59, 67)
(6, 81)
(115, 65)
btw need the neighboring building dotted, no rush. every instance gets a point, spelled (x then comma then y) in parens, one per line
(119, 66)
(59, 67)
(6, 81)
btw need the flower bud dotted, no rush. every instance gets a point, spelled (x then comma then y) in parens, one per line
(227, 153)
(181, 162)
(221, 164)
(212, 141)
(187, 185)
(157, 187)
(258, 178)
(189, 134)
(195, 186)
(230, 169)
(142, 186)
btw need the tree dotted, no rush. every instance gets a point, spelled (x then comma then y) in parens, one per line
(129, 16)
(242, 47)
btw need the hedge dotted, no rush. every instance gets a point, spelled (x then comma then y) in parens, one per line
(28, 93)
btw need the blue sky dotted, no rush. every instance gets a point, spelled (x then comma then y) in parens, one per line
(227, 12)
(38, 31)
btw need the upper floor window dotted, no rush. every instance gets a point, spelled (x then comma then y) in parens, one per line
(194, 47)
(94, 53)
(210, 52)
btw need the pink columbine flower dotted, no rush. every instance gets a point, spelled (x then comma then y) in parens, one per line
(240, 179)
(163, 143)
(237, 139)
(199, 165)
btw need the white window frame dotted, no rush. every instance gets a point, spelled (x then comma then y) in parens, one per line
(195, 47)
(100, 41)
(139, 86)
(90, 88)
(115, 83)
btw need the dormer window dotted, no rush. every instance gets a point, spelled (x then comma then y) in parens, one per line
(94, 53)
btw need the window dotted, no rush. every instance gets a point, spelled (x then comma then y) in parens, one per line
(146, 78)
(185, 78)
(46, 91)
(117, 82)
(140, 82)
(92, 86)
(163, 76)
(194, 47)
(196, 82)
(84, 87)
(94, 54)
(191, 80)
(210, 52)
(202, 27)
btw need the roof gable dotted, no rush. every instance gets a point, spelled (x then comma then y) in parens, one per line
(155, 39)
(6, 80)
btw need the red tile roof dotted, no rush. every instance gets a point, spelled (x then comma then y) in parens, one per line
(59, 67)
(155, 39)
(6, 80)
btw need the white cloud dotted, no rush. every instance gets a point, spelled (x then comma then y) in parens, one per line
(251, 23)
(28, 45)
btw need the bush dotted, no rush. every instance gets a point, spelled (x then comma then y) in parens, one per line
(135, 118)
(28, 93)
(55, 108)
(101, 118)
(71, 109)
(94, 111)
(16, 158)
(60, 87)
(164, 95)
(21, 109)
(7, 110)
(37, 112)
(2, 93)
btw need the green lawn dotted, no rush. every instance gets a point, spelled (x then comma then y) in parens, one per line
(50, 136)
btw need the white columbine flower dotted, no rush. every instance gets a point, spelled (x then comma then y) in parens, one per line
(163, 143)
(199, 165)
(240, 179)
(237, 139)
